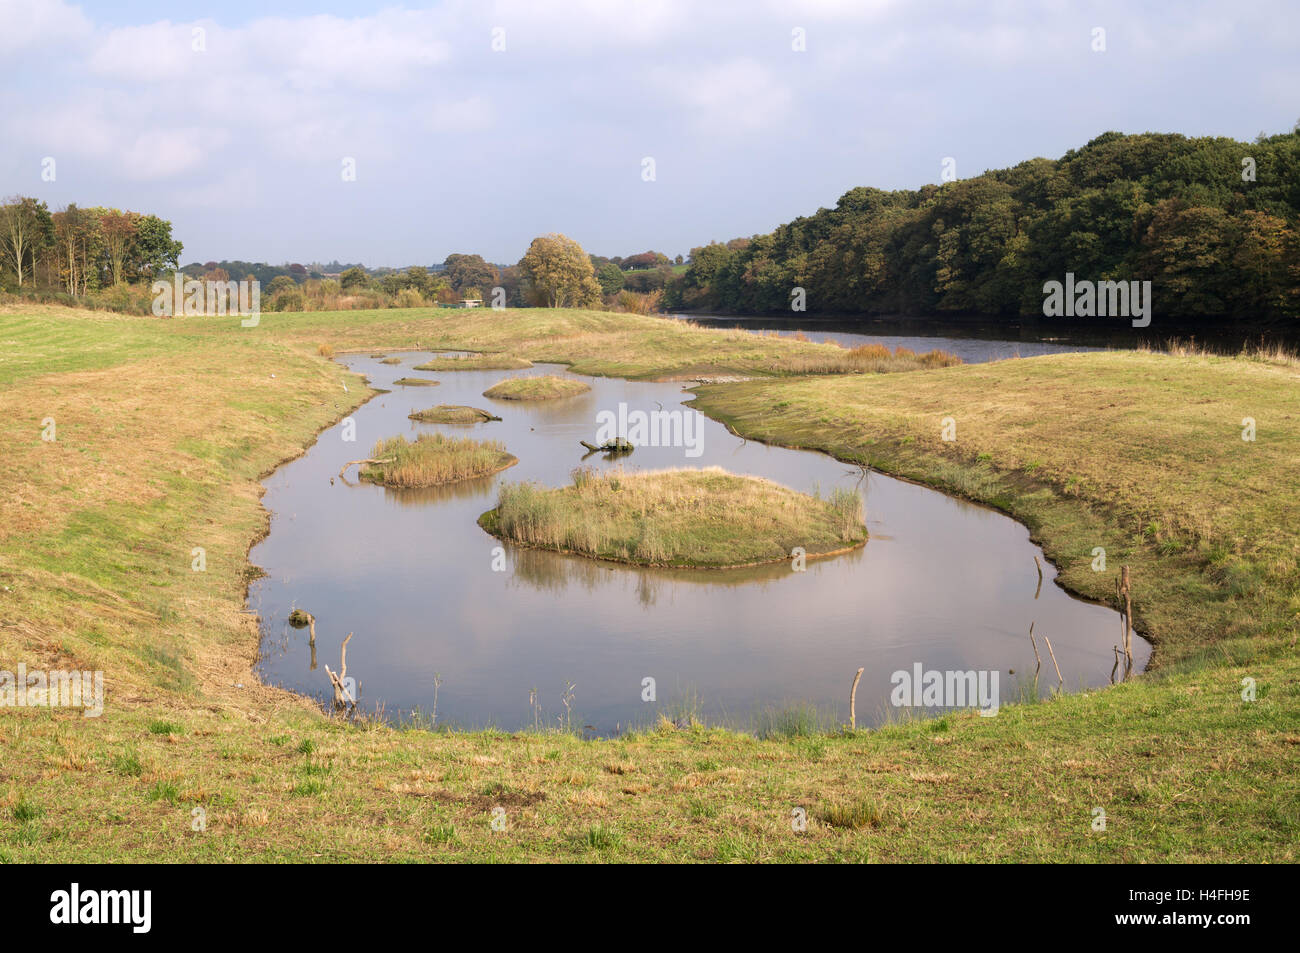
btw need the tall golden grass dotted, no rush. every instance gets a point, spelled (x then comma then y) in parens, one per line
(684, 517)
(433, 459)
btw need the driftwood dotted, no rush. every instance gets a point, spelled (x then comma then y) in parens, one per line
(341, 694)
(853, 694)
(344, 468)
(618, 445)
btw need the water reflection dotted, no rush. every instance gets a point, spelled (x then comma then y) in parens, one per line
(429, 594)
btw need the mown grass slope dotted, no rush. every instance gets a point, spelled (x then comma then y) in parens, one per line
(164, 428)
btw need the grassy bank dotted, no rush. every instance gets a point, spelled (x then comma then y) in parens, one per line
(1138, 454)
(687, 518)
(432, 459)
(547, 387)
(164, 429)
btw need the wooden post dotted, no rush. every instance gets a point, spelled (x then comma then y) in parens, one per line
(341, 694)
(1126, 592)
(853, 695)
(1035, 645)
(1053, 654)
(1039, 567)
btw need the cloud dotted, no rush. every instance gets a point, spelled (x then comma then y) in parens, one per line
(41, 26)
(739, 94)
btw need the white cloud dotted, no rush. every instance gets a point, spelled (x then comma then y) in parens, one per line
(40, 26)
(737, 94)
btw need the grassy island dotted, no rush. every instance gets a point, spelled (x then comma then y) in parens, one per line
(433, 459)
(475, 362)
(452, 414)
(536, 388)
(707, 519)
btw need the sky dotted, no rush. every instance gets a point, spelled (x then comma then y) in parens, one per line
(395, 135)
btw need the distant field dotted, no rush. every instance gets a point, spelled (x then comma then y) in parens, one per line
(164, 429)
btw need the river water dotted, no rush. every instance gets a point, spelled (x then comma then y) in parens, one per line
(498, 634)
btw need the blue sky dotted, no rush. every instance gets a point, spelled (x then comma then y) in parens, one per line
(462, 148)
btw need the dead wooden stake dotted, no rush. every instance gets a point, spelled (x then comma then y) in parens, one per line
(1124, 588)
(1115, 668)
(1039, 567)
(341, 693)
(853, 694)
(1053, 654)
(1035, 645)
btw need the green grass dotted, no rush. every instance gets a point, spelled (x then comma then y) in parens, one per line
(546, 387)
(687, 518)
(414, 382)
(1134, 451)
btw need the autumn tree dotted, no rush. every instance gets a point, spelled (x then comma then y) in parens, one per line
(560, 272)
(78, 241)
(119, 231)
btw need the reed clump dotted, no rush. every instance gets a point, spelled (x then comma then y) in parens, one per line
(689, 518)
(434, 459)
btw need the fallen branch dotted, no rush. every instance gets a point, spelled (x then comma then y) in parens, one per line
(345, 466)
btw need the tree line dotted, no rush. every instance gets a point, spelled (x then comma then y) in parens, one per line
(80, 250)
(1211, 222)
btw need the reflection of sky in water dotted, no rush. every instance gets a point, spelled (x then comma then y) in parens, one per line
(941, 582)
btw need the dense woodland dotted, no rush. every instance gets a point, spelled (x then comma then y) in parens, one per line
(1212, 223)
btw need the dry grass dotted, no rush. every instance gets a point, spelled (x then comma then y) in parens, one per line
(700, 518)
(432, 459)
(414, 382)
(547, 387)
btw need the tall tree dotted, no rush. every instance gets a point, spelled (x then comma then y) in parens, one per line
(469, 271)
(155, 251)
(26, 231)
(119, 233)
(560, 272)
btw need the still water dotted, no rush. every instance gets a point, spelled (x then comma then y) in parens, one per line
(431, 598)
